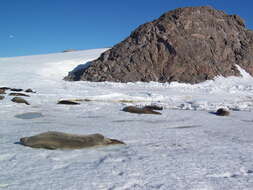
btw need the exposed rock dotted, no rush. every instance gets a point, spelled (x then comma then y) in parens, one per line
(191, 44)
(19, 100)
(222, 112)
(133, 109)
(59, 140)
(68, 102)
(1, 97)
(29, 90)
(16, 89)
(18, 94)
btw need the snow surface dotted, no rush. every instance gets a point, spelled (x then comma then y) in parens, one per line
(186, 147)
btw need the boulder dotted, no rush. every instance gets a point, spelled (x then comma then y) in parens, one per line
(1, 97)
(59, 140)
(189, 45)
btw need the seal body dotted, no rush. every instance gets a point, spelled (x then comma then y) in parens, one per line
(5, 88)
(68, 102)
(19, 100)
(153, 107)
(29, 90)
(59, 140)
(16, 89)
(2, 91)
(144, 110)
(18, 94)
(222, 112)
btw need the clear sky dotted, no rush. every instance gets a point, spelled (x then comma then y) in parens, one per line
(46, 26)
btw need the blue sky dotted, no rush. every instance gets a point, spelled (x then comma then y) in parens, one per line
(46, 26)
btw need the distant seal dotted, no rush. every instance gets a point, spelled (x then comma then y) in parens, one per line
(67, 102)
(16, 89)
(2, 91)
(18, 94)
(153, 107)
(29, 90)
(19, 100)
(133, 109)
(5, 88)
(59, 140)
(222, 112)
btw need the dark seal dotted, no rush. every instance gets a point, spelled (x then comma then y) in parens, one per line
(137, 110)
(222, 112)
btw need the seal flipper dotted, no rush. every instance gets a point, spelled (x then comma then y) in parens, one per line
(115, 141)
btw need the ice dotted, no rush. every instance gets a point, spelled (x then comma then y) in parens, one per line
(187, 147)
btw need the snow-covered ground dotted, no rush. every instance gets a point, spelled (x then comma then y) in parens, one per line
(185, 148)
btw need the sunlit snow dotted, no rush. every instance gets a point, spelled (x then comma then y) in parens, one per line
(186, 147)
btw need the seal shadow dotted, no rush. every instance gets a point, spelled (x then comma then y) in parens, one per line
(212, 112)
(18, 142)
(185, 127)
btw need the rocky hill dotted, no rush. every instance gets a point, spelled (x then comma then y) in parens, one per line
(191, 44)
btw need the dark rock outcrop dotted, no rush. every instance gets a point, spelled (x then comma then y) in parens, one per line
(191, 44)
(1, 97)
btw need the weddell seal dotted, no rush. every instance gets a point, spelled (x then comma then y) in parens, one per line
(222, 112)
(67, 102)
(144, 110)
(58, 140)
(19, 100)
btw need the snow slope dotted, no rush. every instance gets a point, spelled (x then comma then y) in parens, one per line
(186, 147)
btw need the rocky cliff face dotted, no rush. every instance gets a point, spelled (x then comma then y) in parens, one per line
(191, 44)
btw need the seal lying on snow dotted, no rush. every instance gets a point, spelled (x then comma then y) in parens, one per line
(59, 140)
(68, 102)
(19, 100)
(222, 112)
(144, 110)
